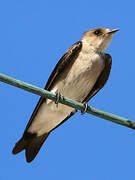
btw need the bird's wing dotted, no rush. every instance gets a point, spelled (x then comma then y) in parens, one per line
(30, 142)
(66, 59)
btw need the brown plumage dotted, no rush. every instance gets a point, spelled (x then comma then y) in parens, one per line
(30, 142)
(33, 139)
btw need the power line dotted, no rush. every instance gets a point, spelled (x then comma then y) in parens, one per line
(67, 101)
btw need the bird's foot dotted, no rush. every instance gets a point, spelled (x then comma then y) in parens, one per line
(58, 95)
(86, 107)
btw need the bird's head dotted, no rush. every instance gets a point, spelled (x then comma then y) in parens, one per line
(99, 38)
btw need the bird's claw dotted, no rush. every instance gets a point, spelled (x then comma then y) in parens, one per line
(58, 95)
(86, 107)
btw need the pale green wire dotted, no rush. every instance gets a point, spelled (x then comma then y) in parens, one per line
(67, 101)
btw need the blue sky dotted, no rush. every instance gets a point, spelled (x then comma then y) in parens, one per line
(33, 37)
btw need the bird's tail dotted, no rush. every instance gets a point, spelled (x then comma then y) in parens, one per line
(31, 145)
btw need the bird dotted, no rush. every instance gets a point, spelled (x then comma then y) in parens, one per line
(80, 73)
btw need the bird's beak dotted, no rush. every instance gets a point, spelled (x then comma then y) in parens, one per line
(112, 31)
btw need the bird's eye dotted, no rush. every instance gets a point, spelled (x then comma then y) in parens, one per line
(97, 32)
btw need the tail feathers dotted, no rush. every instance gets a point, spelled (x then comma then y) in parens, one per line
(34, 146)
(19, 146)
(31, 146)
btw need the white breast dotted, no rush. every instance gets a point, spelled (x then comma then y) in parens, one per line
(83, 75)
